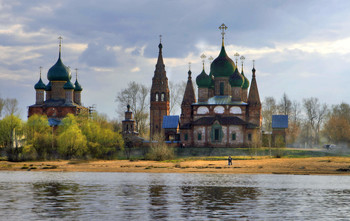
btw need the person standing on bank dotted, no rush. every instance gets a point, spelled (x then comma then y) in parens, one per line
(229, 159)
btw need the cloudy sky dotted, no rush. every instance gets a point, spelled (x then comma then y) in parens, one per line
(300, 47)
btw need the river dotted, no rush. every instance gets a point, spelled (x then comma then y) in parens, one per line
(167, 196)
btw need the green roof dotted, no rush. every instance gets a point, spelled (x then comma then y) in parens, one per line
(77, 86)
(246, 81)
(236, 79)
(222, 66)
(68, 85)
(59, 72)
(203, 80)
(40, 85)
(48, 86)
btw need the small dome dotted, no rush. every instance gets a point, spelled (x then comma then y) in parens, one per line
(48, 86)
(203, 80)
(68, 86)
(77, 86)
(222, 66)
(236, 79)
(40, 85)
(246, 81)
(59, 72)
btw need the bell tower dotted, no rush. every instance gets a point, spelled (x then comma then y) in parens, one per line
(159, 96)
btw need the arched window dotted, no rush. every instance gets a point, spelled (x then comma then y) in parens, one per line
(157, 97)
(202, 110)
(163, 96)
(127, 127)
(235, 110)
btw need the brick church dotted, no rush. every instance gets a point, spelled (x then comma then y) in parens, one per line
(225, 115)
(60, 96)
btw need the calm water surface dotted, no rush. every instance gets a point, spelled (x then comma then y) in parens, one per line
(148, 196)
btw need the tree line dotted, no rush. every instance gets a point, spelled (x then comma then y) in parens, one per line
(311, 122)
(82, 136)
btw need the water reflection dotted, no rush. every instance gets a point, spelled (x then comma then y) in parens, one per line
(137, 196)
(55, 200)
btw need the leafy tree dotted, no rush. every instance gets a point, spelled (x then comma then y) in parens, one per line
(40, 135)
(2, 103)
(337, 125)
(10, 131)
(71, 141)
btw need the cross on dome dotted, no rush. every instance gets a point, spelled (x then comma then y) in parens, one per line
(223, 27)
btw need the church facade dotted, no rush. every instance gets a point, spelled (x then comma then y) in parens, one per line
(227, 112)
(60, 96)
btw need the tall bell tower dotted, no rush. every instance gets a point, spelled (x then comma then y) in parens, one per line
(159, 96)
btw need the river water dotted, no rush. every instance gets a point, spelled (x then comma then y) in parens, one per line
(160, 196)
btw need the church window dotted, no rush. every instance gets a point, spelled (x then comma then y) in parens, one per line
(234, 136)
(202, 110)
(216, 136)
(219, 110)
(235, 110)
(157, 97)
(222, 87)
(162, 96)
(127, 127)
(250, 137)
(186, 136)
(199, 136)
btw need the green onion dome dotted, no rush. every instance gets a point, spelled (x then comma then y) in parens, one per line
(48, 86)
(203, 80)
(77, 86)
(222, 66)
(68, 85)
(59, 72)
(236, 79)
(40, 85)
(246, 81)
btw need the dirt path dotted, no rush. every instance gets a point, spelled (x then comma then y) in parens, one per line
(315, 165)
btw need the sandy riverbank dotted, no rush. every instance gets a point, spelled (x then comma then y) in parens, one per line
(314, 165)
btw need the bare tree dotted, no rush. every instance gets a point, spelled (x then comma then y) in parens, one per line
(269, 108)
(285, 105)
(136, 95)
(177, 91)
(2, 103)
(11, 106)
(315, 115)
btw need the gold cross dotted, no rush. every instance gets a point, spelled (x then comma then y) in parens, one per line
(223, 27)
(203, 59)
(211, 59)
(236, 57)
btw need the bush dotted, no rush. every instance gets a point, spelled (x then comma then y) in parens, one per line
(159, 150)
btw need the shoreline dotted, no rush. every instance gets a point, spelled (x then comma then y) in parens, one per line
(297, 166)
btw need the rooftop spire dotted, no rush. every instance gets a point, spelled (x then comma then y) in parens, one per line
(242, 61)
(60, 45)
(223, 27)
(76, 73)
(203, 59)
(254, 98)
(253, 70)
(40, 70)
(236, 58)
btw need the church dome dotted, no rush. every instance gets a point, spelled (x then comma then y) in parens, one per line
(246, 81)
(68, 85)
(59, 72)
(236, 79)
(77, 86)
(203, 80)
(222, 66)
(48, 86)
(40, 85)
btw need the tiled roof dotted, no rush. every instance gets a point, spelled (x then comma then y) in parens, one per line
(221, 100)
(170, 122)
(279, 121)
